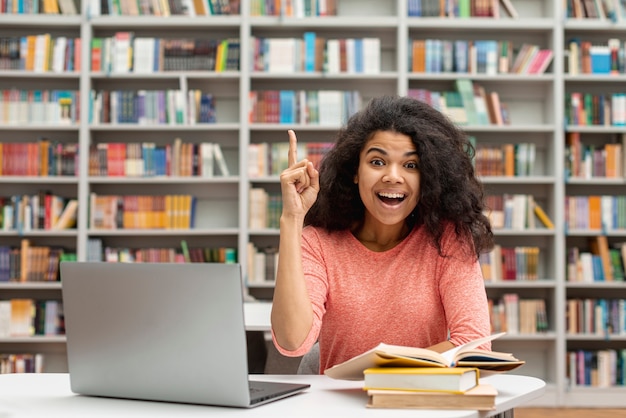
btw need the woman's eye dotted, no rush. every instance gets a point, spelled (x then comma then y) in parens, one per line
(411, 165)
(377, 162)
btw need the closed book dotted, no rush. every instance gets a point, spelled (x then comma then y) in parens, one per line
(481, 398)
(67, 219)
(453, 380)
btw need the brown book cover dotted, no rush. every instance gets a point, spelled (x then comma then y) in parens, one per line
(482, 398)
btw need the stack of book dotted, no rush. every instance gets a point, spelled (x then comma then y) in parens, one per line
(428, 388)
(410, 377)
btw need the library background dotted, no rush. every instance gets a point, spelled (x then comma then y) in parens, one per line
(154, 130)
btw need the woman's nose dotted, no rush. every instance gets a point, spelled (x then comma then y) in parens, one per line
(393, 175)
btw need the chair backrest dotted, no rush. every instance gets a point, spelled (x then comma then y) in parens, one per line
(310, 363)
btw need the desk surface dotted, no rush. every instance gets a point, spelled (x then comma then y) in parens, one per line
(37, 395)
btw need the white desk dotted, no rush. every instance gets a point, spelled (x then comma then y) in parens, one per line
(48, 395)
(257, 316)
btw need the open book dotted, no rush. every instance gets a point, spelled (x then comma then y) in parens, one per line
(465, 355)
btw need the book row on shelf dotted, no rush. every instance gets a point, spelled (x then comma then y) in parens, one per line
(262, 264)
(152, 107)
(609, 10)
(49, 7)
(470, 103)
(595, 212)
(23, 107)
(98, 251)
(270, 159)
(264, 209)
(40, 53)
(306, 107)
(163, 8)
(505, 159)
(477, 57)
(589, 109)
(314, 53)
(21, 363)
(591, 57)
(27, 317)
(46, 157)
(30, 263)
(126, 53)
(110, 212)
(613, 10)
(599, 262)
(40, 211)
(461, 8)
(510, 263)
(596, 368)
(147, 159)
(294, 8)
(515, 315)
(592, 161)
(185, 254)
(589, 316)
(516, 211)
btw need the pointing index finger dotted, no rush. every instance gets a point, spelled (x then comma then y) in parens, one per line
(292, 158)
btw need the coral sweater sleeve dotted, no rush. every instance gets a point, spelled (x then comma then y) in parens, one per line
(409, 295)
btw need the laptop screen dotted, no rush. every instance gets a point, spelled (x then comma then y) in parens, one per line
(160, 331)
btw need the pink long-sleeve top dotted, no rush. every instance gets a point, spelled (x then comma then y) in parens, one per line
(408, 295)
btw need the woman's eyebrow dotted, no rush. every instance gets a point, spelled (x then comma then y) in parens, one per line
(376, 149)
(383, 152)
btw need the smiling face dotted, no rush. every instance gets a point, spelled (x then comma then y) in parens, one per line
(388, 179)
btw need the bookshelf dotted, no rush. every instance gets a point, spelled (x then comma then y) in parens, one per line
(536, 104)
(587, 183)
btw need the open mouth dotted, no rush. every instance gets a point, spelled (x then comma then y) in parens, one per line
(391, 198)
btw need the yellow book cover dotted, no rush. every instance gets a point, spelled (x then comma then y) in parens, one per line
(445, 379)
(169, 212)
(186, 212)
(509, 160)
(543, 216)
(595, 212)
(44, 146)
(22, 316)
(24, 265)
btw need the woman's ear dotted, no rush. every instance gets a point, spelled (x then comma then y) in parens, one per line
(356, 179)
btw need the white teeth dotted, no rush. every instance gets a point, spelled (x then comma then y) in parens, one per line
(392, 195)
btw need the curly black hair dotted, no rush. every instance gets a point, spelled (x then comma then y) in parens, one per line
(449, 189)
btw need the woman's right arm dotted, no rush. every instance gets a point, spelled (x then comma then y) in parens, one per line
(292, 314)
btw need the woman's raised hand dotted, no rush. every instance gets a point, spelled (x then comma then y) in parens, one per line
(299, 182)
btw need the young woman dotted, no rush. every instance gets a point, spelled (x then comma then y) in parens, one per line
(382, 244)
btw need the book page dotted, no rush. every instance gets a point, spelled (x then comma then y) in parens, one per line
(384, 355)
(452, 355)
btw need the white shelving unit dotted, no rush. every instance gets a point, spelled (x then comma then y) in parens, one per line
(598, 33)
(536, 107)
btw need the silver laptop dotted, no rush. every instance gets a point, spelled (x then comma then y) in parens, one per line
(161, 331)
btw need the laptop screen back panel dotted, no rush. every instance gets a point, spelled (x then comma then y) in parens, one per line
(180, 338)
